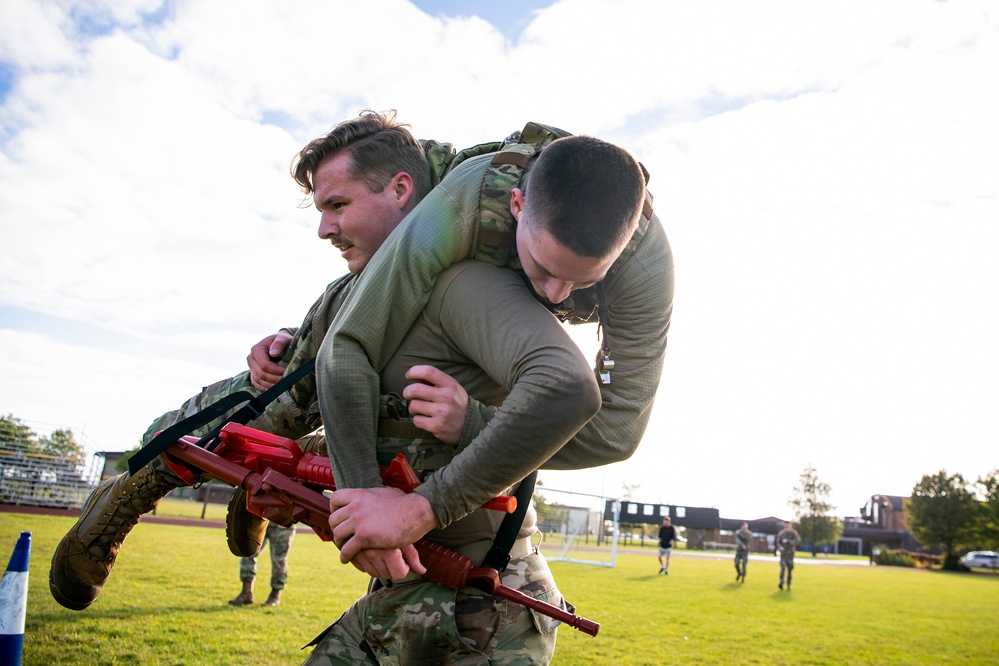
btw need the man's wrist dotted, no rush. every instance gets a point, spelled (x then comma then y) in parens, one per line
(422, 514)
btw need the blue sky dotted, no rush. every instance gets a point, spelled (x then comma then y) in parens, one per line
(825, 173)
(510, 17)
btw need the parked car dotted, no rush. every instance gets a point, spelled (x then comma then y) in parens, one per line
(988, 559)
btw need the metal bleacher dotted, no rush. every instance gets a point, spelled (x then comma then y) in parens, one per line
(35, 479)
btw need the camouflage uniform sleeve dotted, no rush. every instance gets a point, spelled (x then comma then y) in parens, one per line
(387, 298)
(640, 303)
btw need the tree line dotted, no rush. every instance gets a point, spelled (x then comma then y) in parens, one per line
(15, 435)
(948, 512)
(945, 512)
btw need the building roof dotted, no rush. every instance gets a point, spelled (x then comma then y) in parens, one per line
(769, 525)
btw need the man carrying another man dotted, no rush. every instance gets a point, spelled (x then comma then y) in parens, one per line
(447, 501)
(506, 350)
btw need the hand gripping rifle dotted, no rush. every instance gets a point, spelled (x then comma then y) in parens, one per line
(284, 484)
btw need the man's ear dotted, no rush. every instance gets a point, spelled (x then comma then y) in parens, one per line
(516, 203)
(402, 187)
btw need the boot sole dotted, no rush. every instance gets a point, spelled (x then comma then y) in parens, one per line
(66, 602)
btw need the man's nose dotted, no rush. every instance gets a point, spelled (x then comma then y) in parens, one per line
(327, 226)
(557, 291)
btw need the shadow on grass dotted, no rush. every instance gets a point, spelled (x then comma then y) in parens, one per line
(131, 612)
(646, 578)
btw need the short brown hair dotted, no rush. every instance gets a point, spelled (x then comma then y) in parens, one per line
(587, 193)
(380, 147)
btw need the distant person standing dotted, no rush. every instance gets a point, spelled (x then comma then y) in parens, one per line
(743, 539)
(667, 536)
(787, 543)
(280, 543)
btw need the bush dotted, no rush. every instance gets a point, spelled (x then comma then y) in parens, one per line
(895, 558)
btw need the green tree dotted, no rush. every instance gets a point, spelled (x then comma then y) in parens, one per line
(989, 526)
(812, 511)
(551, 513)
(943, 512)
(62, 443)
(122, 464)
(14, 434)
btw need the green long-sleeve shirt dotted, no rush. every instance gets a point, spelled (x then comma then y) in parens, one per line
(394, 288)
(505, 350)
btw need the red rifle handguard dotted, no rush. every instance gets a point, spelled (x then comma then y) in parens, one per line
(259, 451)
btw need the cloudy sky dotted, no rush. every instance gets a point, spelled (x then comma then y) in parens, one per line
(826, 172)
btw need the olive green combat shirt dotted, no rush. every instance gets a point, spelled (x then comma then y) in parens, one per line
(504, 350)
(394, 288)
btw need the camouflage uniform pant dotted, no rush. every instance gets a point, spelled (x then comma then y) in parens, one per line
(419, 622)
(279, 539)
(741, 558)
(786, 563)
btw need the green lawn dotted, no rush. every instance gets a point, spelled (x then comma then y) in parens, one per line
(166, 604)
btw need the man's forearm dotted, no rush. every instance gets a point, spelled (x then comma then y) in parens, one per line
(640, 300)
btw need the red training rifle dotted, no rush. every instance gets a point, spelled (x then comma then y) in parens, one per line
(283, 484)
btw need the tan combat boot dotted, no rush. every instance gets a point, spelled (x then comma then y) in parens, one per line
(274, 599)
(245, 597)
(83, 559)
(244, 531)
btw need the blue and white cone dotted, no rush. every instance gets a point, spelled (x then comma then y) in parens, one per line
(14, 602)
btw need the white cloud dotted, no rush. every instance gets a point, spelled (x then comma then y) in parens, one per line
(825, 173)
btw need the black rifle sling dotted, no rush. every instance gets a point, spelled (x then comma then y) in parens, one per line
(499, 555)
(254, 407)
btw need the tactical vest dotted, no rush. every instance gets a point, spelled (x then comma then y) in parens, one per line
(397, 434)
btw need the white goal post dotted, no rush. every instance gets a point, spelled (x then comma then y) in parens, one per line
(578, 527)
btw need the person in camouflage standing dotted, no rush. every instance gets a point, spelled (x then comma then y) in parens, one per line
(787, 543)
(743, 539)
(279, 539)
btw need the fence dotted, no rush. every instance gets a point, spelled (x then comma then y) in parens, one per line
(35, 479)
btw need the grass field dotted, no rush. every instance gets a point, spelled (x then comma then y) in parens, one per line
(166, 604)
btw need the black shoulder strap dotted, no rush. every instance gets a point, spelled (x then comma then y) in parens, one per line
(499, 555)
(254, 407)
